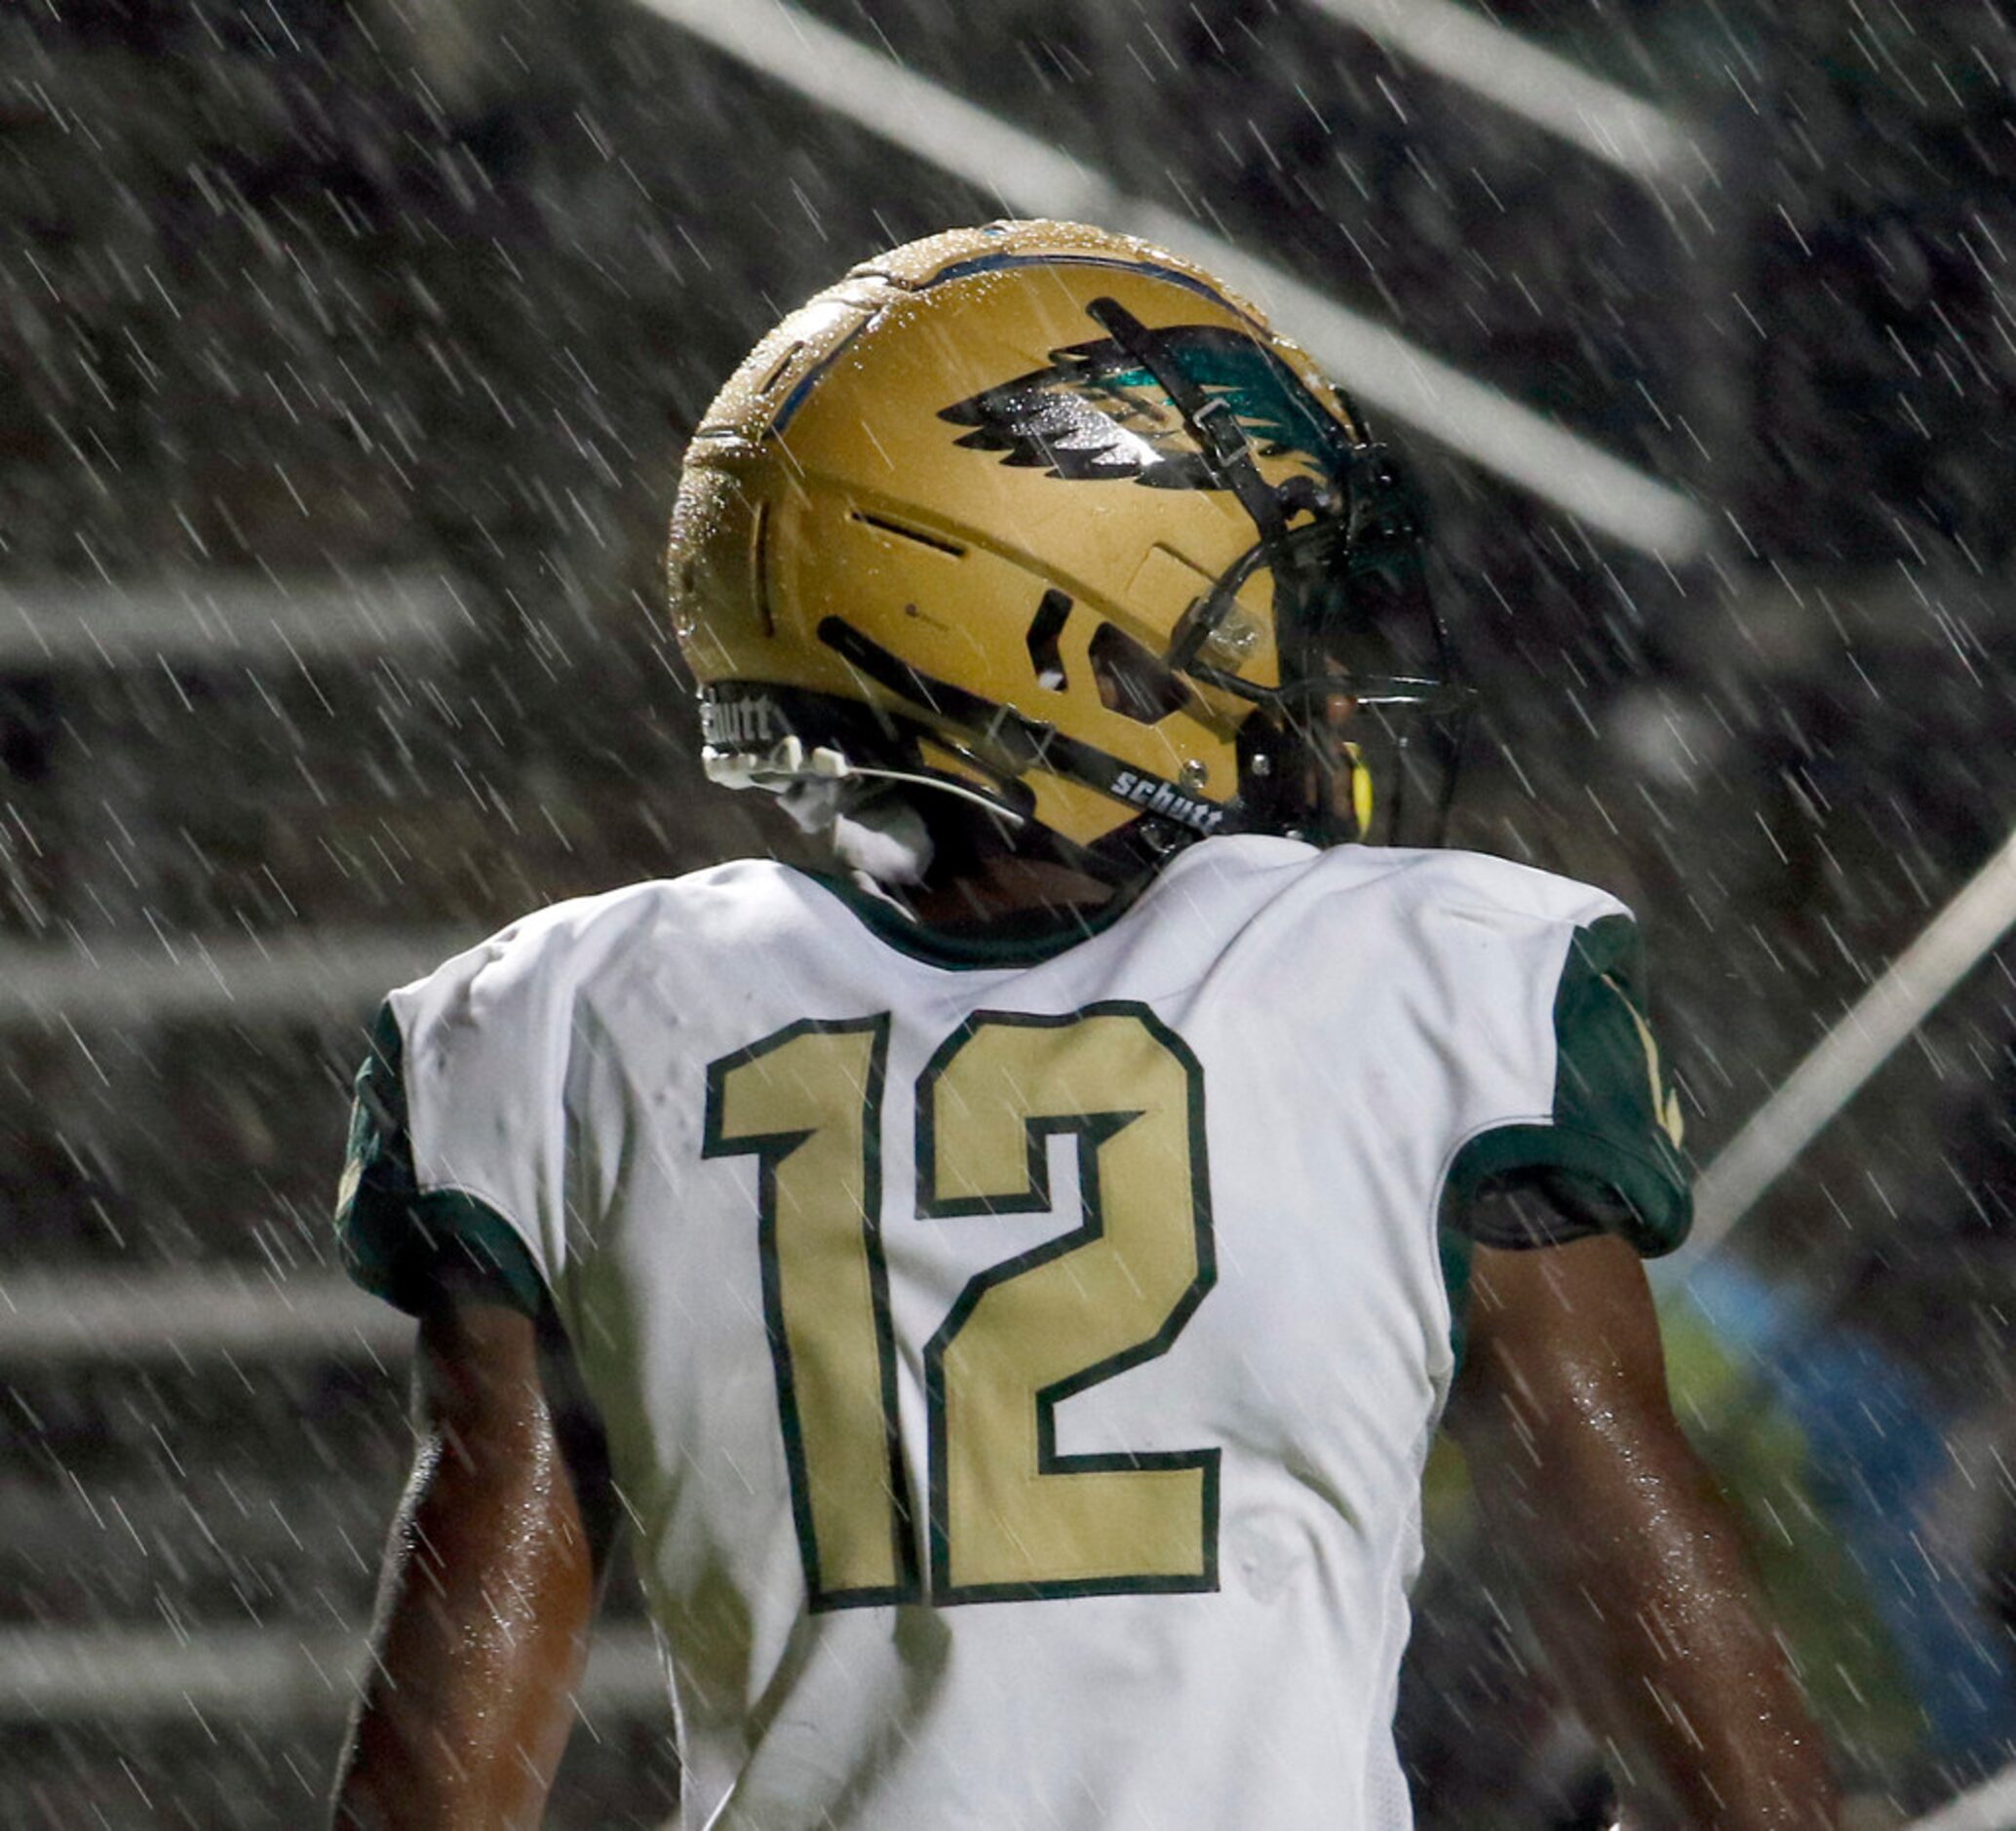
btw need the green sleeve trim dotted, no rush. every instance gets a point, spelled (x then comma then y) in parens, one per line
(399, 1241)
(1609, 1160)
(1590, 1183)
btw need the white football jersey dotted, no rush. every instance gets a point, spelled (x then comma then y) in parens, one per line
(1019, 1355)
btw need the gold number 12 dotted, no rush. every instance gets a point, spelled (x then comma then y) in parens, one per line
(1010, 1517)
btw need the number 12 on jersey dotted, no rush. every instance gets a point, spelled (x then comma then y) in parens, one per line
(1010, 1518)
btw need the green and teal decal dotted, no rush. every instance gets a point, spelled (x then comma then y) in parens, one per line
(1097, 414)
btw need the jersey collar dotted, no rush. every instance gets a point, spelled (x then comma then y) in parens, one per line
(1028, 938)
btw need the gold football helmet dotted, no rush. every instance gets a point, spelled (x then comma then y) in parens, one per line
(1051, 521)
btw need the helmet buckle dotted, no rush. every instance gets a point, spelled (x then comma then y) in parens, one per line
(786, 761)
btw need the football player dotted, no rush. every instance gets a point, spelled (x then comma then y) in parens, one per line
(1010, 1283)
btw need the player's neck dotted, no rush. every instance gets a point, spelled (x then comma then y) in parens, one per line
(1004, 886)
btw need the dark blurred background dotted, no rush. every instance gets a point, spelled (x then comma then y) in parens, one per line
(347, 350)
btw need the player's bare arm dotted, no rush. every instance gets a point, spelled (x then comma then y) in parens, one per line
(489, 1585)
(1632, 1565)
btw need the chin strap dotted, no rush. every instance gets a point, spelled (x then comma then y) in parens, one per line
(788, 762)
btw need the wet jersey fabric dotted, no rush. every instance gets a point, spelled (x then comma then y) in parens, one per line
(1019, 1356)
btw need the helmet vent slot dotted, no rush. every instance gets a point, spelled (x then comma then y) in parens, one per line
(1045, 628)
(1132, 680)
(883, 525)
(760, 541)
